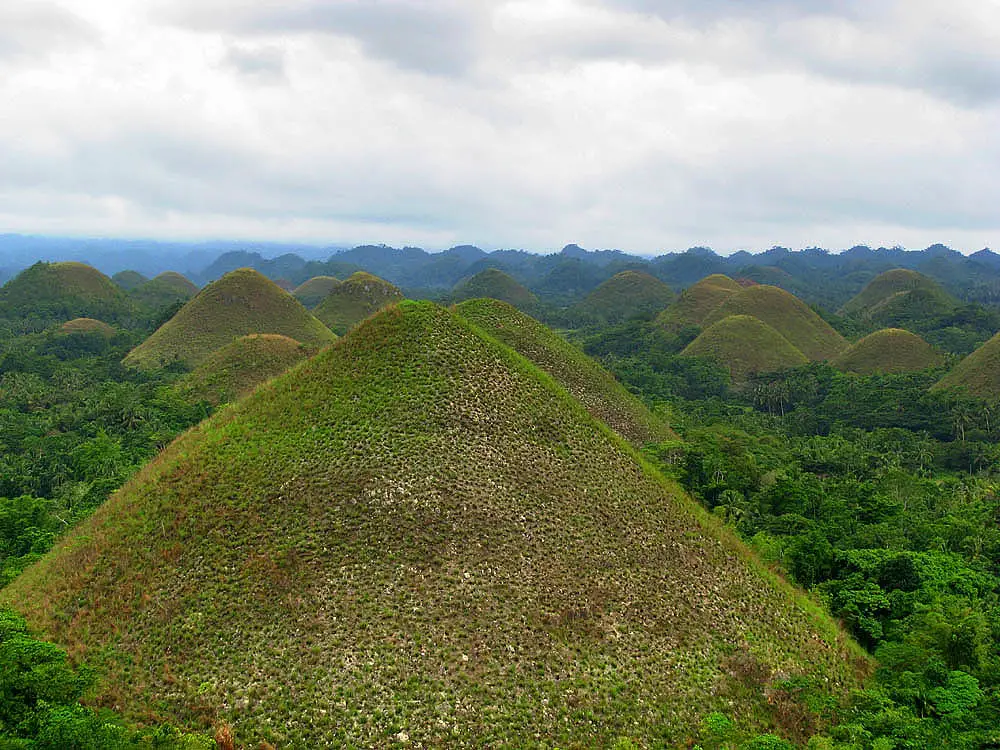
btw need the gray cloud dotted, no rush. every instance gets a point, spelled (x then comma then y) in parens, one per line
(30, 29)
(264, 63)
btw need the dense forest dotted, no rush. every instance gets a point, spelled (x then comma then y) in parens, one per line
(878, 492)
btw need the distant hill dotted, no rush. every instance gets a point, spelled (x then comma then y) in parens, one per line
(495, 284)
(889, 350)
(898, 297)
(602, 395)
(239, 367)
(417, 536)
(54, 292)
(167, 289)
(624, 296)
(313, 291)
(350, 302)
(786, 314)
(746, 345)
(87, 326)
(240, 303)
(129, 280)
(979, 373)
(697, 302)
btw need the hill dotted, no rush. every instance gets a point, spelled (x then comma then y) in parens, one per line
(625, 295)
(901, 297)
(313, 291)
(167, 289)
(495, 284)
(886, 285)
(788, 315)
(239, 303)
(592, 385)
(129, 280)
(889, 350)
(746, 345)
(350, 302)
(239, 367)
(979, 373)
(86, 327)
(697, 301)
(419, 537)
(53, 292)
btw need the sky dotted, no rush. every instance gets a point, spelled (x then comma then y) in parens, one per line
(643, 125)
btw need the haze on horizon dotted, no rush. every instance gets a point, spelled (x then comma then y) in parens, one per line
(645, 125)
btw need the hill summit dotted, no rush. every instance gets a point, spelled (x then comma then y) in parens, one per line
(313, 291)
(164, 290)
(495, 284)
(417, 536)
(979, 373)
(746, 345)
(889, 350)
(361, 294)
(240, 303)
(697, 302)
(626, 295)
(901, 298)
(63, 291)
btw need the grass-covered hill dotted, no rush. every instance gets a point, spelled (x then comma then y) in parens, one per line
(164, 290)
(240, 303)
(788, 315)
(901, 297)
(86, 327)
(889, 350)
(239, 367)
(129, 280)
(746, 345)
(353, 300)
(417, 536)
(697, 302)
(57, 292)
(495, 284)
(979, 373)
(624, 296)
(592, 385)
(313, 291)
(885, 285)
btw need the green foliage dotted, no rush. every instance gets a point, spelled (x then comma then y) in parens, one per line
(493, 283)
(313, 291)
(887, 351)
(358, 297)
(625, 295)
(163, 291)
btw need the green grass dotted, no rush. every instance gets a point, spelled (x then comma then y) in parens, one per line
(240, 303)
(626, 295)
(786, 314)
(747, 346)
(239, 367)
(889, 350)
(164, 290)
(888, 295)
(87, 326)
(129, 280)
(359, 296)
(313, 291)
(63, 291)
(979, 373)
(495, 284)
(697, 302)
(592, 385)
(419, 533)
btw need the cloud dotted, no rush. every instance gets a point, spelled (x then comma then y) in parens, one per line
(264, 63)
(31, 29)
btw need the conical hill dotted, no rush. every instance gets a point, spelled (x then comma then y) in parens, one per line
(746, 345)
(978, 373)
(62, 291)
(86, 327)
(698, 301)
(239, 367)
(495, 284)
(361, 294)
(788, 315)
(164, 290)
(313, 291)
(626, 295)
(417, 536)
(886, 285)
(592, 385)
(129, 280)
(241, 302)
(889, 350)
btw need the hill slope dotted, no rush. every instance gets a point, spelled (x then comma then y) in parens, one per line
(239, 367)
(697, 302)
(350, 302)
(788, 315)
(889, 350)
(164, 290)
(886, 285)
(746, 345)
(592, 385)
(239, 303)
(626, 295)
(419, 536)
(495, 284)
(313, 291)
(979, 373)
(901, 298)
(87, 327)
(129, 280)
(62, 291)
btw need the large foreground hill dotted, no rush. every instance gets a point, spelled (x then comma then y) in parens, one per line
(417, 536)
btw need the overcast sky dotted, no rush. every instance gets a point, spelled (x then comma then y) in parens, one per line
(645, 125)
